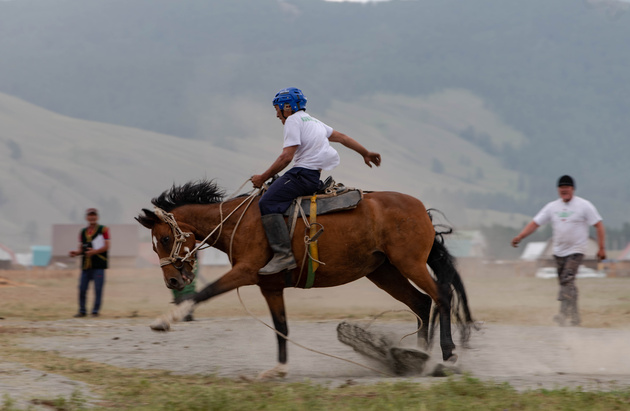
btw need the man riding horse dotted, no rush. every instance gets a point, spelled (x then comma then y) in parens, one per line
(307, 144)
(388, 238)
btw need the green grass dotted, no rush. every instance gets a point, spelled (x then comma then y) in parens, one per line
(133, 389)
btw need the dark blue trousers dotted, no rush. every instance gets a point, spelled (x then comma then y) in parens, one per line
(294, 183)
(98, 276)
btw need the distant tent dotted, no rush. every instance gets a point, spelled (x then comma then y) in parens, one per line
(533, 250)
(6, 254)
(462, 244)
(7, 257)
(212, 256)
(625, 254)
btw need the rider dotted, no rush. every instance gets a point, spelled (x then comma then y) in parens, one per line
(307, 143)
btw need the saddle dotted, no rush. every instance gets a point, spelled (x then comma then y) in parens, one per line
(332, 197)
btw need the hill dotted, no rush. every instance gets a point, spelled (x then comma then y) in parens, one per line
(552, 74)
(54, 167)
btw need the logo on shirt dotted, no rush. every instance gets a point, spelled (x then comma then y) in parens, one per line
(564, 214)
(305, 119)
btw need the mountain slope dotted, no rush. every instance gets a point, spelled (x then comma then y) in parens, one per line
(555, 71)
(53, 166)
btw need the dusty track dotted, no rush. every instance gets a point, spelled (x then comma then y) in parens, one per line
(518, 342)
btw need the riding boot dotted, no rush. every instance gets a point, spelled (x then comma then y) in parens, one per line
(280, 242)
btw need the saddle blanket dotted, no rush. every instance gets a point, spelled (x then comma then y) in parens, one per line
(328, 203)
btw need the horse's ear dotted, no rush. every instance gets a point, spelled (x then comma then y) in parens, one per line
(149, 218)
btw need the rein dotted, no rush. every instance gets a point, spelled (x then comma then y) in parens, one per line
(180, 236)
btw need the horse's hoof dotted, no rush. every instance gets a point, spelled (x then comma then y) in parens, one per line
(279, 371)
(160, 325)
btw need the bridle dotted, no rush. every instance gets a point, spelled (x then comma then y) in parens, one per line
(180, 236)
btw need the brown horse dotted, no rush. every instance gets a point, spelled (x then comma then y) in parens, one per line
(389, 238)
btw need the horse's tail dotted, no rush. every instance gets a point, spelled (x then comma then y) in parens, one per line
(449, 282)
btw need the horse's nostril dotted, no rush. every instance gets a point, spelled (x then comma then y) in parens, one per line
(173, 282)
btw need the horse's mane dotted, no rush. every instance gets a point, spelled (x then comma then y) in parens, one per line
(193, 192)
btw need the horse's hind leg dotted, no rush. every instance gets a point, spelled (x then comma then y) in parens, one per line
(389, 279)
(275, 301)
(417, 272)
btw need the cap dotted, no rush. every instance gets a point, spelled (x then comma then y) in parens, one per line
(566, 181)
(91, 211)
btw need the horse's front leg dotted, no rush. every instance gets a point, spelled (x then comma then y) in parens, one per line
(275, 301)
(238, 276)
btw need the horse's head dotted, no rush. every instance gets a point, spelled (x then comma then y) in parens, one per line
(173, 243)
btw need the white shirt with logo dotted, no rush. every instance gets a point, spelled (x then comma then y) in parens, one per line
(570, 223)
(314, 151)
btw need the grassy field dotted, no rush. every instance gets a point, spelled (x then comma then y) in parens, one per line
(496, 297)
(158, 390)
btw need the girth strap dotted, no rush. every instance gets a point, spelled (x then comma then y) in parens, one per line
(312, 245)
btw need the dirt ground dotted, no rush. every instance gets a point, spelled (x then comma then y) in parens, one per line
(517, 343)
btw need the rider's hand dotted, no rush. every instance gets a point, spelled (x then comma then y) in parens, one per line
(258, 180)
(372, 157)
(515, 241)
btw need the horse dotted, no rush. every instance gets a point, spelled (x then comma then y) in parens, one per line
(388, 238)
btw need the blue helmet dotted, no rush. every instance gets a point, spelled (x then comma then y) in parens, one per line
(292, 96)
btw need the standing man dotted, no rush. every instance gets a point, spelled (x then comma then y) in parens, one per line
(570, 217)
(93, 246)
(307, 143)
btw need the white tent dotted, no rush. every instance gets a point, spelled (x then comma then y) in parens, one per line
(533, 250)
(6, 254)
(212, 256)
(7, 257)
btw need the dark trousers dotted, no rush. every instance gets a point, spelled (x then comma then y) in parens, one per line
(294, 183)
(98, 276)
(567, 272)
(568, 294)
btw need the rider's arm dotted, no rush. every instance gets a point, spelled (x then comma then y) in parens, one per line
(368, 156)
(283, 160)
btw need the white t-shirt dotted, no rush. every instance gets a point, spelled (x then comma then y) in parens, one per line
(314, 151)
(570, 223)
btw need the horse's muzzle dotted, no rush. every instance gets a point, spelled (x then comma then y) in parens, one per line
(179, 281)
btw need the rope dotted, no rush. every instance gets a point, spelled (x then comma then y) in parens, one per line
(251, 198)
(306, 348)
(180, 236)
(398, 311)
(219, 227)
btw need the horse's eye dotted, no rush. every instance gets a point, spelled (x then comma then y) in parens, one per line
(165, 240)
